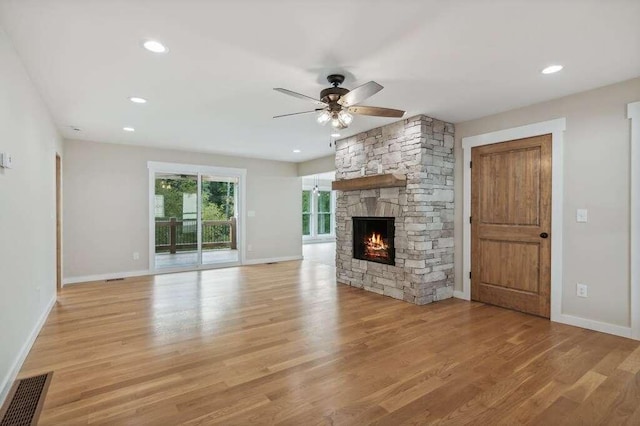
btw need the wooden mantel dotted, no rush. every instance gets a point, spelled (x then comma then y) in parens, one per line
(370, 182)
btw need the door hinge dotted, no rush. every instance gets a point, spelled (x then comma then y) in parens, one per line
(470, 164)
(469, 274)
(470, 219)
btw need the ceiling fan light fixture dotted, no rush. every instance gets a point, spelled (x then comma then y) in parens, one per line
(345, 118)
(324, 117)
(336, 123)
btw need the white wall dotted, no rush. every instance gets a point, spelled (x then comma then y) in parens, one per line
(596, 177)
(106, 206)
(27, 213)
(318, 165)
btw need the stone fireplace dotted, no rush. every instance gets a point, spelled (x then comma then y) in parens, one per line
(397, 239)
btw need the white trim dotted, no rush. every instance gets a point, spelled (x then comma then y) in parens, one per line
(194, 169)
(556, 128)
(331, 239)
(633, 113)
(272, 259)
(459, 295)
(602, 327)
(24, 351)
(206, 267)
(103, 277)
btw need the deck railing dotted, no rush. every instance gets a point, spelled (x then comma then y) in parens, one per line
(175, 235)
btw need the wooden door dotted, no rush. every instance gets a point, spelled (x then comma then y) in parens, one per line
(58, 224)
(511, 224)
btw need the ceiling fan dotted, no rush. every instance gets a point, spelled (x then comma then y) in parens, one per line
(337, 104)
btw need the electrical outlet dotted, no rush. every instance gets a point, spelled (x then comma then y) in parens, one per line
(581, 290)
(581, 215)
(379, 169)
(136, 255)
(362, 170)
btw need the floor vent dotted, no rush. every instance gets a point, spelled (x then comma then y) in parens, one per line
(272, 263)
(25, 401)
(113, 279)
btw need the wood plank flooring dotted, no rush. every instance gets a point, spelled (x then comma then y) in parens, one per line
(284, 344)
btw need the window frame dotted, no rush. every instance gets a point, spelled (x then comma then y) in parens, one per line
(314, 236)
(310, 191)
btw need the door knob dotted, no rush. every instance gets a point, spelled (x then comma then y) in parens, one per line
(544, 235)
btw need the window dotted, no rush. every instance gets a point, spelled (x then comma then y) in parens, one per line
(306, 212)
(324, 212)
(317, 214)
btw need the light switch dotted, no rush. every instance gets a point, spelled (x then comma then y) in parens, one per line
(5, 160)
(581, 215)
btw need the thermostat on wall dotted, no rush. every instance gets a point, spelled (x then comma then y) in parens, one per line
(5, 160)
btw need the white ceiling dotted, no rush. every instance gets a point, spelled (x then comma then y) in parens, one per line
(454, 60)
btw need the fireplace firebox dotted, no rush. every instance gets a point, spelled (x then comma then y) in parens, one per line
(373, 239)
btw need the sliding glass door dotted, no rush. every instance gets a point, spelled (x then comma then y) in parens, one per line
(194, 216)
(219, 219)
(176, 220)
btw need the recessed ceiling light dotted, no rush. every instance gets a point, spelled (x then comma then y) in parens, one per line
(154, 46)
(137, 100)
(335, 135)
(552, 69)
(128, 129)
(297, 151)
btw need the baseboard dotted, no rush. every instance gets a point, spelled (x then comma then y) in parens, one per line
(102, 277)
(460, 295)
(24, 351)
(319, 241)
(271, 260)
(603, 327)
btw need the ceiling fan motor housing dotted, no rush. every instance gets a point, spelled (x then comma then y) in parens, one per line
(335, 79)
(332, 94)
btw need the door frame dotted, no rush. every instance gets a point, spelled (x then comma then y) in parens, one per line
(58, 222)
(241, 174)
(556, 128)
(633, 114)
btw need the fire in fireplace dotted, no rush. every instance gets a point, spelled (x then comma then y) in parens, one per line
(373, 239)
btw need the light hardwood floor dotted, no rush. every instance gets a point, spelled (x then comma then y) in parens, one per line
(283, 344)
(324, 253)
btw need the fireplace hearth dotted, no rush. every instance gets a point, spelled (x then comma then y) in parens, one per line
(373, 239)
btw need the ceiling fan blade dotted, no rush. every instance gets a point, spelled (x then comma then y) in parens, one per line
(376, 111)
(300, 96)
(360, 93)
(297, 113)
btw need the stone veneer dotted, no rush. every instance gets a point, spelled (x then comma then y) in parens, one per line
(422, 148)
